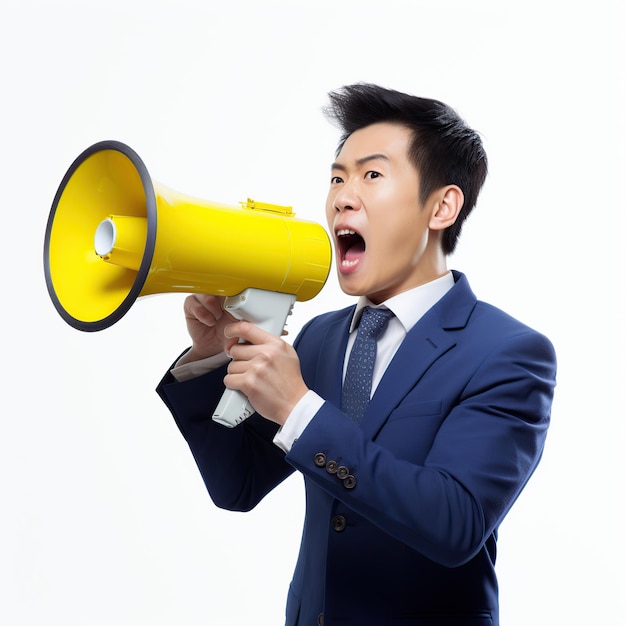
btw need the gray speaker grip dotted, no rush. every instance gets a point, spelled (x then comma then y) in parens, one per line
(233, 408)
(268, 310)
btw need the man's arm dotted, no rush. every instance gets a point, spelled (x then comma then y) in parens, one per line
(239, 465)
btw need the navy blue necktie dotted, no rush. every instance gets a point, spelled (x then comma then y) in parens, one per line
(357, 386)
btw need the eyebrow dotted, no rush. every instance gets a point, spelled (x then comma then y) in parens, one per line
(361, 161)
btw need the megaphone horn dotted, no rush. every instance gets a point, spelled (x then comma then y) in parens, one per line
(114, 235)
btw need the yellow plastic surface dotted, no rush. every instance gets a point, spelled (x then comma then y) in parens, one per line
(199, 246)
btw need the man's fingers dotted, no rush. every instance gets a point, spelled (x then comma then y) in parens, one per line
(242, 337)
(206, 309)
(247, 332)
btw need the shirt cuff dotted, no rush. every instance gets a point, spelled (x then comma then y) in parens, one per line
(193, 369)
(298, 420)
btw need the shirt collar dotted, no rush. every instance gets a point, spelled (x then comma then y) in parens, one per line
(409, 306)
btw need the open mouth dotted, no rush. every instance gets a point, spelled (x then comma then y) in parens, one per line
(351, 247)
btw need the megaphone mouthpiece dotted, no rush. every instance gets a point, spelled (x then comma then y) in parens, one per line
(104, 239)
(120, 239)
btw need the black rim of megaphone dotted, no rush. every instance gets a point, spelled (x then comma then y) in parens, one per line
(144, 268)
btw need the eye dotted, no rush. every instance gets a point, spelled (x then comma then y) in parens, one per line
(335, 180)
(372, 174)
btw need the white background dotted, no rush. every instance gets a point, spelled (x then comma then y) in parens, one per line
(105, 520)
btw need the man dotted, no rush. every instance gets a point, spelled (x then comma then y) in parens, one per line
(404, 493)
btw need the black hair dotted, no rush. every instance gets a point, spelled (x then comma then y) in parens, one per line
(444, 149)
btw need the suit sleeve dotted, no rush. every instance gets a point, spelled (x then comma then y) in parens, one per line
(486, 447)
(239, 465)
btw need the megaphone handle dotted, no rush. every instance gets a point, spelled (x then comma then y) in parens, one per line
(268, 310)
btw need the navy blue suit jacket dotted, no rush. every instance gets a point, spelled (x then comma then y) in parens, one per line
(402, 511)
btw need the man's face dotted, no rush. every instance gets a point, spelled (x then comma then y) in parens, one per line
(380, 227)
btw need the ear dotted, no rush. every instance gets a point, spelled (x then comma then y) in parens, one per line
(448, 204)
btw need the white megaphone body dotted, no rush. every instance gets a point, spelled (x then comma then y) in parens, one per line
(114, 235)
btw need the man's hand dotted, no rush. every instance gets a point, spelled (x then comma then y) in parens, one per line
(206, 320)
(265, 368)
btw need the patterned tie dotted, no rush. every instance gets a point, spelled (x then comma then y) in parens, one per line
(357, 386)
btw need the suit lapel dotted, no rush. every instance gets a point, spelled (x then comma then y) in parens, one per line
(329, 372)
(427, 341)
(418, 351)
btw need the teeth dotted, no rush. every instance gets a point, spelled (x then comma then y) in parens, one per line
(344, 232)
(346, 263)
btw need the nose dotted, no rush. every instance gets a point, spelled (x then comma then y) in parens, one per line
(347, 199)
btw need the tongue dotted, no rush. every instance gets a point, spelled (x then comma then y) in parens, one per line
(355, 251)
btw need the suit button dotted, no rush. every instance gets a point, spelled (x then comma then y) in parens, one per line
(320, 459)
(320, 619)
(331, 467)
(339, 523)
(349, 482)
(342, 472)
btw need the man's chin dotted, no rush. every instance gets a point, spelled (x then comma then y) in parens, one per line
(350, 285)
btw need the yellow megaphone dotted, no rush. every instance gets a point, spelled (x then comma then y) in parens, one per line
(114, 235)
